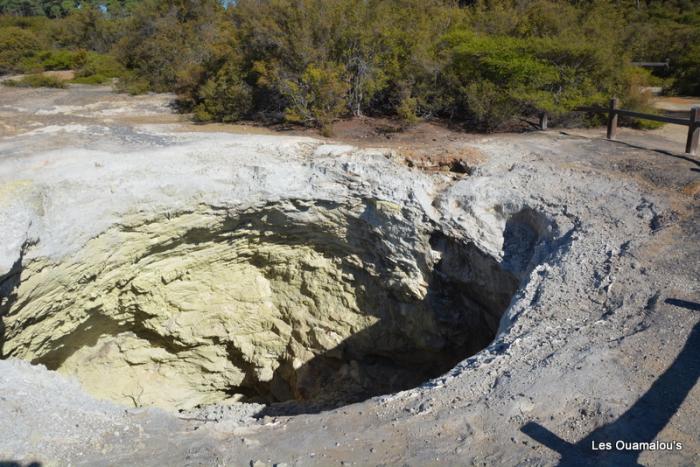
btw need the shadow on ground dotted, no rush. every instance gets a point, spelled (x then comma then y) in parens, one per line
(19, 464)
(468, 293)
(640, 423)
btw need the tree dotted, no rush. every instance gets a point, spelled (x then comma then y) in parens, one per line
(499, 77)
(21, 7)
(59, 8)
(174, 44)
(86, 28)
(312, 61)
(62, 8)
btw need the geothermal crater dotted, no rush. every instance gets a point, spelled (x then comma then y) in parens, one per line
(314, 301)
(153, 265)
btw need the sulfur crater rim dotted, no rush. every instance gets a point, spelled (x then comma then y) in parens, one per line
(307, 301)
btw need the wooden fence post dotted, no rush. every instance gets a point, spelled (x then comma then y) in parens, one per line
(612, 118)
(543, 121)
(691, 145)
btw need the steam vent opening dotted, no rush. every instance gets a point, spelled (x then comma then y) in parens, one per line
(305, 301)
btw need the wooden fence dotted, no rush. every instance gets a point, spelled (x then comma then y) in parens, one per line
(613, 111)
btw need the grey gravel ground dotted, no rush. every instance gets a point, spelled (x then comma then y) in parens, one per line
(599, 344)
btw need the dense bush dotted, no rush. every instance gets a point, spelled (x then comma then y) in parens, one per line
(318, 96)
(497, 77)
(21, 7)
(311, 61)
(36, 81)
(88, 29)
(62, 8)
(481, 62)
(95, 68)
(58, 59)
(668, 30)
(687, 73)
(171, 44)
(16, 45)
(225, 97)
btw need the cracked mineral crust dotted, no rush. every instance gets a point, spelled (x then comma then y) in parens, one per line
(226, 298)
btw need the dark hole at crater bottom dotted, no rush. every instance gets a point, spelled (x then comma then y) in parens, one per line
(467, 295)
(411, 341)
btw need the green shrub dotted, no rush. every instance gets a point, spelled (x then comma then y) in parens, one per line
(90, 67)
(33, 23)
(487, 106)
(481, 62)
(57, 59)
(226, 97)
(406, 110)
(386, 50)
(318, 97)
(50, 60)
(86, 28)
(497, 76)
(21, 7)
(638, 98)
(16, 45)
(168, 41)
(133, 85)
(31, 64)
(687, 72)
(95, 68)
(36, 81)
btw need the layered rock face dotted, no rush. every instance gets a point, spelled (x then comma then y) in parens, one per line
(178, 270)
(159, 267)
(304, 300)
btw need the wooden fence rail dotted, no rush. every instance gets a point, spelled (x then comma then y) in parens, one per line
(613, 111)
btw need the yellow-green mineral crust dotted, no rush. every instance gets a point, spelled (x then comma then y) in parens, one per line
(142, 317)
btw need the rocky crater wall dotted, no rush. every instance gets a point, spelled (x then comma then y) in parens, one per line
(298, 300)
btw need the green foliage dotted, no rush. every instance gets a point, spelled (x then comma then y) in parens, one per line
(482, 62)
(487, 106)
(384, 48)
(91, 79)
(94, 68)
(171, 42)
(638, 98)
(63, 8)
(133, 85)
(318, 97)
(224, 97)
(16, 45)
(687, 76)
(407, 110)
(87, 28)
(36, 81)
(57, 59)
(58, 8)
(49, 8)
(35, 24)
(21, 7)
(497, 77)
(667, 30)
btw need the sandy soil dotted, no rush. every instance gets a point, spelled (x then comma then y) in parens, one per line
(675, 103)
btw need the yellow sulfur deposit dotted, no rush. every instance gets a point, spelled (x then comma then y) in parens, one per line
(304, 301)
(180, 327)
